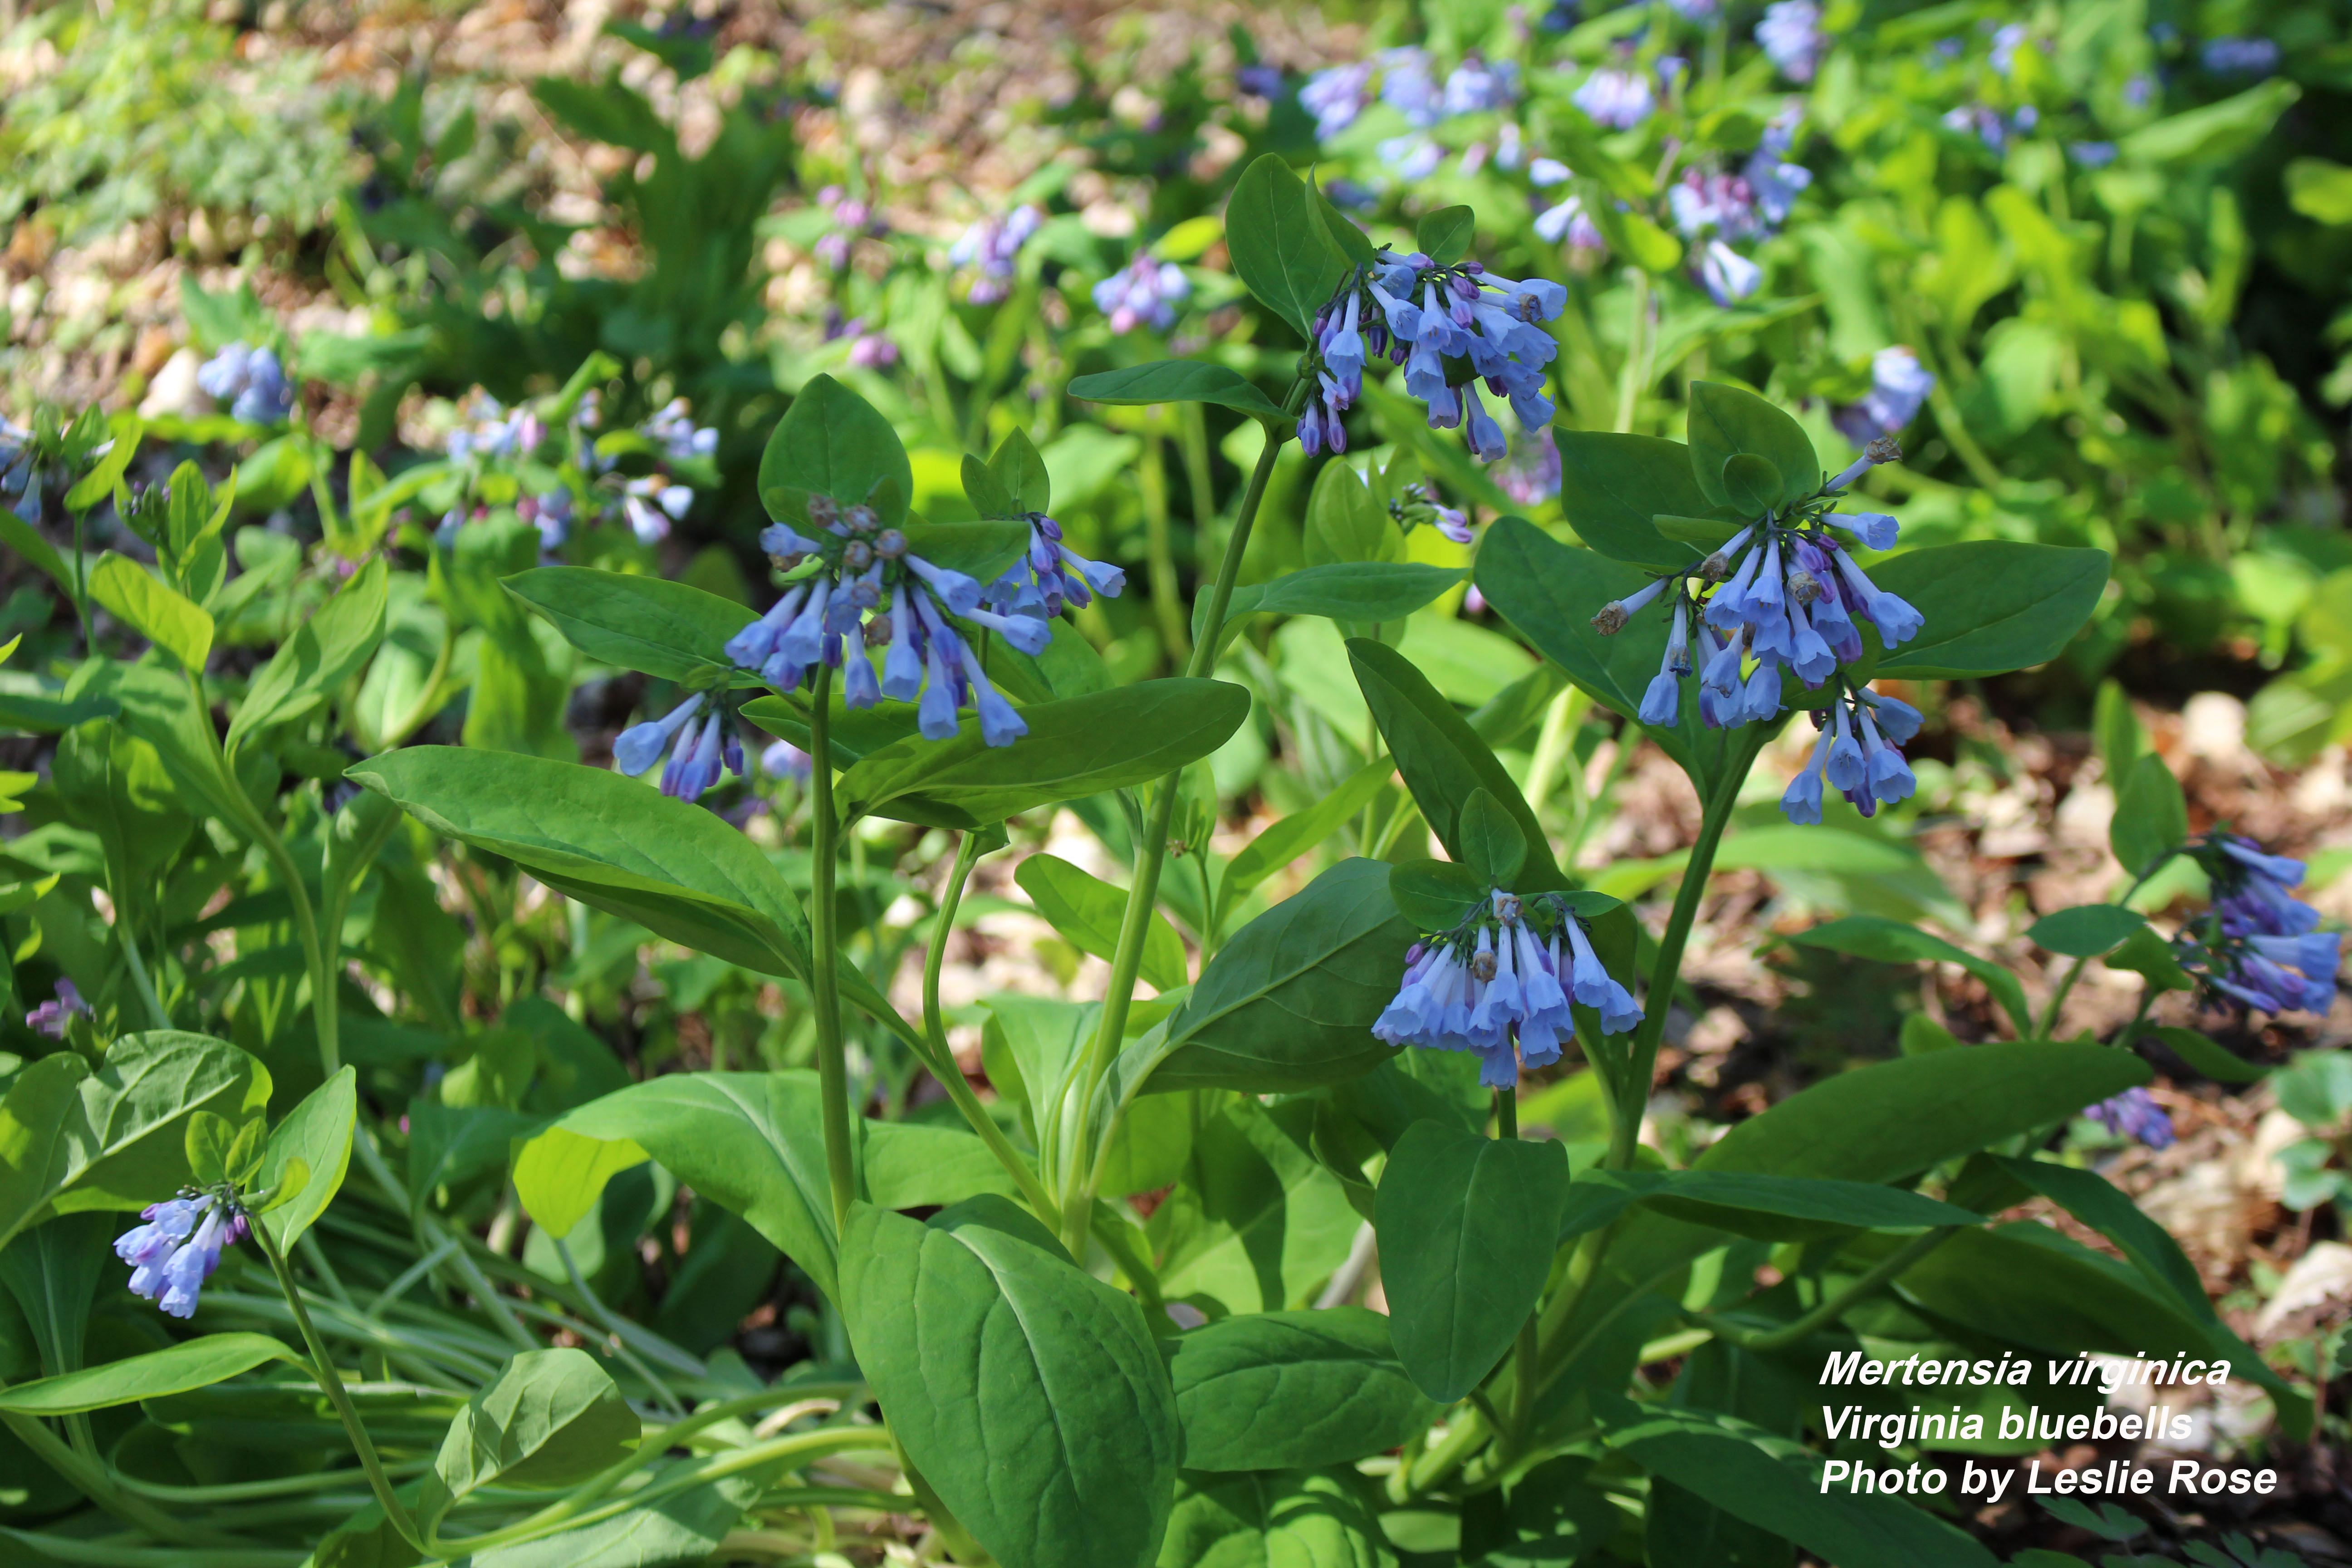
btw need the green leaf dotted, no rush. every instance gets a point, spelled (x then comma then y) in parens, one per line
(1435, 895)
(2320, 190)
(1027, 1392)
(2087, 931)
(832, 442)
(1257, 1223)
(1087, 911)
(1444, 234)
(99, 483)
(1270, 1390)
(2215, 131)
(1288, 1003)
(1492, 844)
(984, 550)
(1341, 233)
(1285, 841)
(1279, 1519)
(1280, 249)
(1351, 592)
(615, 844)
(1612, 486)
(669, 630)
(71, 1138)
(1991, 606)
(684, 1526)
(985, 489)
(1346, 524)
(1774, 1483)
(1020, 468)
(551, 1419)
(1891, 942)
(1076, 747)
(1442, 758)
(316, 1136)
(1727, 422)
(130, 593)
(1177, 381)
(2151, 819)
(1894, 1118)
(2207, 1056)
(1467, 1227)
(753, 1143)
(2097, 1203)
(206, 1144)
(1757, 1204)
(2147, 954)
(191, 1363)
(1752, 483)
(326, 651)
(1550, 593)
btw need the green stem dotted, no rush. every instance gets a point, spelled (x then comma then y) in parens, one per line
(1795, 1332)
(605, 1320)
(1507, 1113)
(824, 979)
(1151, 849)
(2058, 1000)
(941, 1060)
(322, 1366)
(1625, 1131)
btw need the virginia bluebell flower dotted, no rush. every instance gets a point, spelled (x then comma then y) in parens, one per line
(992, 248)
(870, 593)
(51, 1017)
(1728, 276)
(1417, 504)
(1474, 86)
(251, 380)
(1418, 314)
(782, 760)
(700, 734)
(1899, 383)
(1787, 594)
(1617, 98)
(1407, 87)
(673, 430)
(1049, 576)
(651, 503)
(1500, 984)
(1143, 293)
(1791, 35)
(2240, 57)
(1259, 80)
(2259, 947)
(2006, 39)
(1530, 475)
(852, 220)
(2134, 1113)
(1334, 96)
(176, 1251)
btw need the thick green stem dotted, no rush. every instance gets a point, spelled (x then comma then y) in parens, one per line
(1151, 849)
(322, 1366)
(941, 1060)
(1634, 1094)
(1795, 1332)
(824, 978)
(1507, 1113)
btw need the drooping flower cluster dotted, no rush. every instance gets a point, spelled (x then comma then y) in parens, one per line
(1792, 36)
(1716, 210)
(176, 1251)
(1565, 220)
(2240, 57)
(1421, 315)
(1899, 384)
(992, 247)
(1050, 575)
(2134, 1113)
(1616, 98)
(519, 442)
(1500, 983)
(701, 737)
(852, 220)
(869, 347)
(250, 381)
(52, 1017)
(2259, 947)
(488, 426)
(869, 593)
(1785, 595)
(1143, 293)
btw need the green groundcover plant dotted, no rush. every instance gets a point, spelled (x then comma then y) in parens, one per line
(263, 1036)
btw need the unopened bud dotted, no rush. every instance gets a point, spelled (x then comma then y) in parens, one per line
(822, 511)
(890, 544)
(1611, 618)
(1803, 587)
(787, 562)
(861, 519)
(878, 632)
(857, 556)
(1482, 967)
(1177, 848)
(1884, 449)
(1714, 567)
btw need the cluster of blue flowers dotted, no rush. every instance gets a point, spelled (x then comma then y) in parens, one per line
(992, 247)
(2261, 947)
(852, 220)
(2134, 1113)
(1143, 293)
(488, 432)
(1500, 984)
(1785, 593)
(176, 1251)
(1416, 504)
(1048, 576)
(1792, 38)
(250, 381)
(1899, 385)
(53, 1017)
(1715, 209)
(1421, 315)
